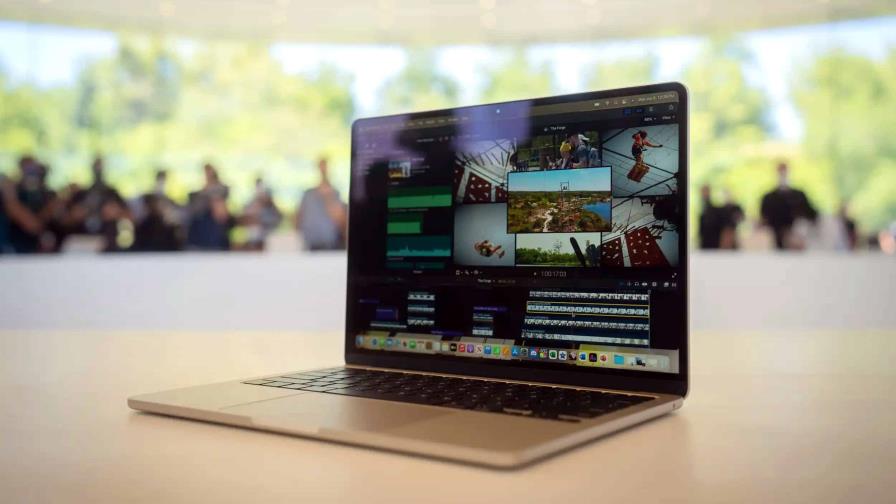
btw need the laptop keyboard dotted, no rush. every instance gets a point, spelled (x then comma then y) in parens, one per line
(537, 401)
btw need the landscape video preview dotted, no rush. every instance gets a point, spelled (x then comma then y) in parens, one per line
(558, 249)
(559, 201)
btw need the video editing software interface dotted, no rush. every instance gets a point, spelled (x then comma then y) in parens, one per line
(539, 232)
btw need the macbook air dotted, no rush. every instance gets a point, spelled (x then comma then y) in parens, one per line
(517, 284)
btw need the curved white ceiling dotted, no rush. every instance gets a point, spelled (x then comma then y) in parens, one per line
(438, 21)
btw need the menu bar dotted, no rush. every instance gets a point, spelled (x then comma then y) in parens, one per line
(644, 103)
(643, 100)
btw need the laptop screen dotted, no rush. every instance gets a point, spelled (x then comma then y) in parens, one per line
(543, 233)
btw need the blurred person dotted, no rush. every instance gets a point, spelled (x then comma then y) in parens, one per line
(828, 232)
(565, 160)
(787, 211)
(639, 144)
(86, 206)
(718, 223)
(832, 232)
(169, 210)
(872, 242)
(261, 216)
(116, 227)
(513, 162)
(5, 245)
(321, 217)
(155, 233)
(711, 221)
(849, 227)
(30, 206)
(209, 222)
(583, 155)
(66, 219)
(886, 239)
(544, 161)
(13, 213)
(732, 216)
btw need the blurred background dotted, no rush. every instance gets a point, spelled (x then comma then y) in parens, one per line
(191, 125)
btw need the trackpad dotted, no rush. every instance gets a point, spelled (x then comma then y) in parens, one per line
(315, 411)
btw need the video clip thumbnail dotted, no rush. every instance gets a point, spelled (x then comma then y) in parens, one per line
(480, 237)
(644, 233)
(644, 160)
(559, 201)
(560, 150)
(558, 249)
(480, 171)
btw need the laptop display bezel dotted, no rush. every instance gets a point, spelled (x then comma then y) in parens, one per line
(588, 377)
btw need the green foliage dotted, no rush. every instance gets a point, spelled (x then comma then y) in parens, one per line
(419, 86)
(155, 104)
(32, 121)
(622, 73)
(141, 84)
(848, 102)
(728, 136)
(527, 211)
(724, 107)
(516, 78)
(545, 257)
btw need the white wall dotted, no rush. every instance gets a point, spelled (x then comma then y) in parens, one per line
(189, 291)
(234, 291)
(781, 291)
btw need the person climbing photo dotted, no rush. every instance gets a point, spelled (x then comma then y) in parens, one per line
(639, 143)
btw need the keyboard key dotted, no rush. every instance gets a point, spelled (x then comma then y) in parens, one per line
(276, 384)
(317, 388)
(293, 380)
(303, 376)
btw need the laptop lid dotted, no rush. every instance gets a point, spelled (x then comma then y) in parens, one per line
(541, 240)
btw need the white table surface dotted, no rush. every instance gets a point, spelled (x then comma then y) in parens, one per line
(785, 417)
(207, 291)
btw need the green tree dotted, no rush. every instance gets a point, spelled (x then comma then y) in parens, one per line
(847, 105)
(152, 105)
(622, 73)
(158, 103)
(33, 121)
(728, 135)
(240, 110)
(515, 77)
(141, 83)
(419, 86)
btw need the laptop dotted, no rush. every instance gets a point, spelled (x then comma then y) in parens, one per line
(517, 284)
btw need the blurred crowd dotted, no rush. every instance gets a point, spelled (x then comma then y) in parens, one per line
(36, 219)
(787, 221)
